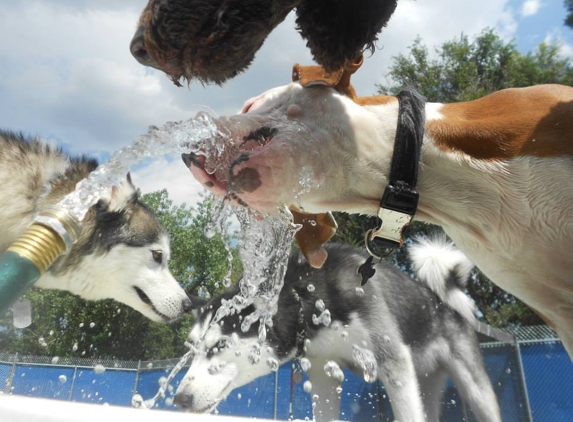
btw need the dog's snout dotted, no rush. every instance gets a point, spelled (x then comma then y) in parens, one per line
(183, 401)
(138, 49)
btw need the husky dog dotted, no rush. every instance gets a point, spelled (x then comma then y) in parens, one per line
(417, 334)
(122, 251)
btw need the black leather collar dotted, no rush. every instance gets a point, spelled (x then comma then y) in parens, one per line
(400, 200)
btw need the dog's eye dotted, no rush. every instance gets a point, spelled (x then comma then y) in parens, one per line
(157, 256)
(217, 348)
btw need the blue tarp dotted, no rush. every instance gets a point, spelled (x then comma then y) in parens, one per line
(548, 373)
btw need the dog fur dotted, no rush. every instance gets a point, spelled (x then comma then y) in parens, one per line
(122, 250)
(214, 40)
(418, 334)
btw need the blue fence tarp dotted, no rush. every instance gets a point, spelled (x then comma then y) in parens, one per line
(547, 368)
(549, 377)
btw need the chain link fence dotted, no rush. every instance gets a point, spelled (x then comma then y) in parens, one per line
(533, 380)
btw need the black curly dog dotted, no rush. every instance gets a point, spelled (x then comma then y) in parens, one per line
(214, 40)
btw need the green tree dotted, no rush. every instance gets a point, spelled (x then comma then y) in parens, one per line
(465, 70)
(569, 17)
(65, 325)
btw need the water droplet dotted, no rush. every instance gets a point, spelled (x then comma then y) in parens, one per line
(365, 358)
(273, 364)
(99, 369)
(307, 386)
(332, 369)
(137, 401)
(305, 364)
(359, 291)
(311, 288)
(63, 378)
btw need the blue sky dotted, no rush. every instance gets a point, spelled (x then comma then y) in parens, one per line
(66, 73)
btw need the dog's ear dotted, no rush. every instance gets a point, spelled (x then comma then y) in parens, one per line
(316, 230)
(119, 197)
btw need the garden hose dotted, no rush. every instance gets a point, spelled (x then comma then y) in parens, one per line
(51, 234)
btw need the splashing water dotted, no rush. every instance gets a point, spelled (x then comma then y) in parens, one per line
(172, 137)
(264, 247)
(137, 400)
(332, 369)
(365, 358)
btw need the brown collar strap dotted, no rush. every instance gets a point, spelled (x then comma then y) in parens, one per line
(309, 76)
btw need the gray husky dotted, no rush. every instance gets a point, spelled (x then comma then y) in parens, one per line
(409, 335)
(122, 251)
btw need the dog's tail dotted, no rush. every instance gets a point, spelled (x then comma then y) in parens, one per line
(445, 270)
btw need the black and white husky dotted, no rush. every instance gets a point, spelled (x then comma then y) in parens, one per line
(409, 335)
(122, 251)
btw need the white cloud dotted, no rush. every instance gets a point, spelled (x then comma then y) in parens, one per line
(169, 173)
(556, 37)
(530, 7)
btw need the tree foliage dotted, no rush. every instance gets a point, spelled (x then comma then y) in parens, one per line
(65, 325)
(569, 17)
(464, 70)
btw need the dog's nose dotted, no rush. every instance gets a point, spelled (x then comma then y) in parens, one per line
(187, 159)
(183, 401)
(187, 305)
(138, 50)
(191, 158)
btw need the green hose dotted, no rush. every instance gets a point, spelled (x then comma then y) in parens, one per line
(17, 274)
(51, 234)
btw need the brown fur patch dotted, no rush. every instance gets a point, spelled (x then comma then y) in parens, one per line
(520, 121)
(375, 100)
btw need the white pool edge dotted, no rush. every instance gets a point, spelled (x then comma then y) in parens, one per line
(15, 408)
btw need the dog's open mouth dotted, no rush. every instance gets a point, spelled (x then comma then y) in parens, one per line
(145, 299)
(215, 171)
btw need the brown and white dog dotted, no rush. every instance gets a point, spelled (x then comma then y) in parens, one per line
(496, 173)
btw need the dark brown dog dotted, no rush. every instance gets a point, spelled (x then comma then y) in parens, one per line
(214, 40)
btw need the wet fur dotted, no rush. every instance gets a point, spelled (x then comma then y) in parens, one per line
(214, 40)
(417, 339)
(116, 232)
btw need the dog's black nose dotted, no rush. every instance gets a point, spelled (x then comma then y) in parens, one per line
(191, 158)
(187, 306)
(183, 401)
(138, 50)
(187, 159)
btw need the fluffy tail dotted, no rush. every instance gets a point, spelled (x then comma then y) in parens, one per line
(446, 271)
